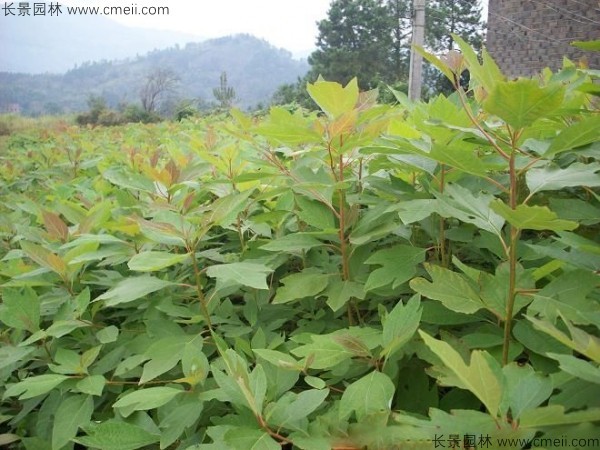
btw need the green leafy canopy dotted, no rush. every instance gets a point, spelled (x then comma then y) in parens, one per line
(361, 276)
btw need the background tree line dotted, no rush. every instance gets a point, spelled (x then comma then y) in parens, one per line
(371, 39)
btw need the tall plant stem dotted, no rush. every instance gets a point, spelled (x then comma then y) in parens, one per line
(342, 231)
(442, 232)
(241, 234)
(512, 255)
(201, 297)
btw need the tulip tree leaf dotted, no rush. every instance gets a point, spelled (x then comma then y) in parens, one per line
(369, 395)
(244, 273)
(479, 376)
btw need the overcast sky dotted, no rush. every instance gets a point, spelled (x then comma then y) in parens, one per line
(290, 24)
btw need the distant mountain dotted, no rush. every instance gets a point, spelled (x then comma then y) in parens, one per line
(254, 69)
(39, 44)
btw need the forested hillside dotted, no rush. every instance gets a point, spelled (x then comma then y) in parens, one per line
(254, 69)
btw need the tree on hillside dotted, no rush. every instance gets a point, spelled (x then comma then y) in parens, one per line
(355, 39)
(371, 39)
(224, 94)
(159, 84)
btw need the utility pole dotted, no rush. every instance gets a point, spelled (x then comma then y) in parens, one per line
(415, 77)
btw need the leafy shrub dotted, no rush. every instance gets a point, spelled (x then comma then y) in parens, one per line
(4, 128)
(137, 114)
(100, 114)
(109, 118)
(356, 278)
(185, 110)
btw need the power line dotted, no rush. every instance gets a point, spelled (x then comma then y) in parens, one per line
(520, 25)
(569, 12)
(584, 4)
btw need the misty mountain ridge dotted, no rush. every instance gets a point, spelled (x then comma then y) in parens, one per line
(254, 69)
(55, 44)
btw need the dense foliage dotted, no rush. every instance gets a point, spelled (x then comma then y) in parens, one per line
(369, 276)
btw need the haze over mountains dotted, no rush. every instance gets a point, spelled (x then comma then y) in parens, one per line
(53, 64)
(56, 44)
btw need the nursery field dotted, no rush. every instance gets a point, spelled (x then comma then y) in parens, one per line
(416, 276)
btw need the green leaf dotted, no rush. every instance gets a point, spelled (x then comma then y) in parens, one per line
(225, 210)
(487, 74)
(286, 412)
(460, 156)
(575, 135)
(400, 325)
(578, 367)
(88, 357)
(73, 412)
(68, 362)
(332, 98)
(128, 179)
(10, 355)
(132, 288)
(399, 264)
(292, 243)
(8, 438)
(180, 418)
(307, 442)
(144, 399)
(580, 341)
(34, 386)
(592, 46)
(61, 328)
(235, 383)
(277, 358)
(194, 362)
(554, 415)
(152, 261)
(413, 211)
(20, 309)
(555, 178)
(108, 334)
(301, 285)
(525, 389)
(164, 354)
(460, 203)
(44, 258)
(243, 438)
(315, 213)
(437, 62)
(287, 128)
(371, 394)
(521, 102)
(315, 382)
(450, 288)
(372, 228)
(113, 435)
(244, 273)
(532, 217)
(339, 292)
(323, 353)
(257, 381)
(162, 232)
(479, 376)
(92, 385)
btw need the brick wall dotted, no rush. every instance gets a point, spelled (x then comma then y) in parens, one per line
(525, 36)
